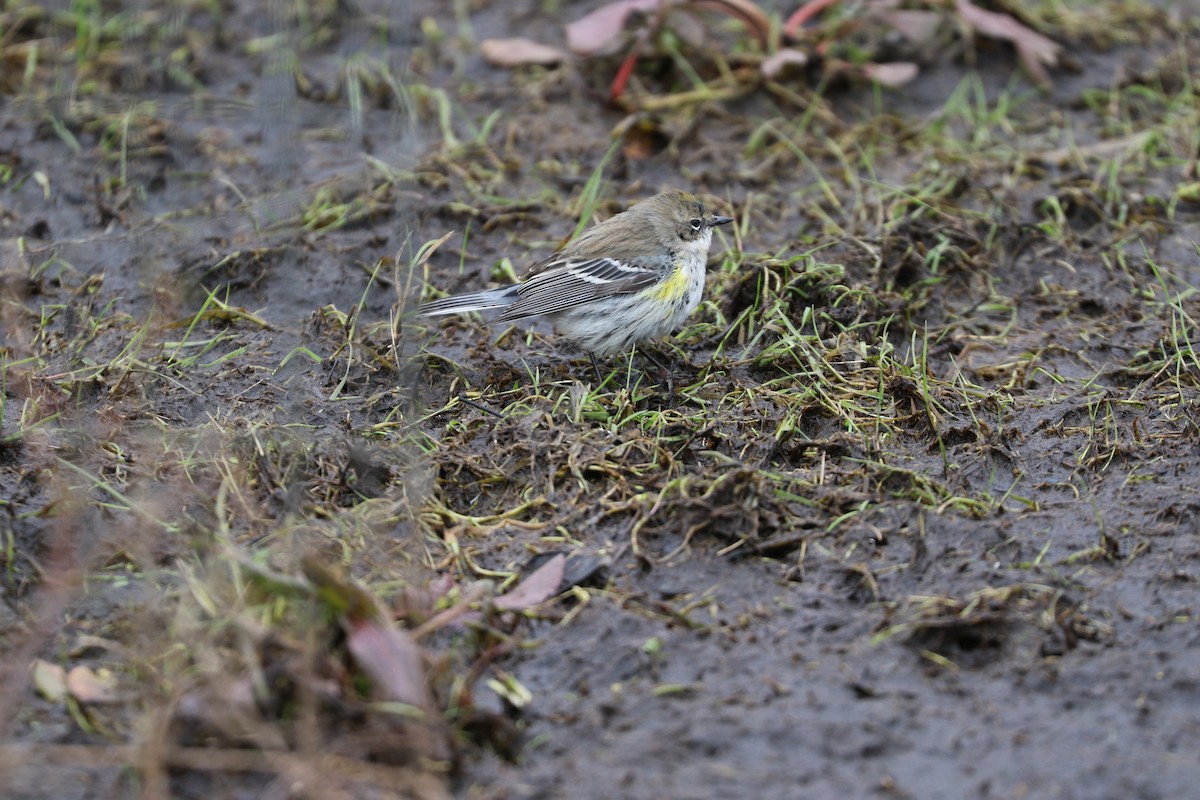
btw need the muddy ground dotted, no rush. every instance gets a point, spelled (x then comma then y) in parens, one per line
(916, 515)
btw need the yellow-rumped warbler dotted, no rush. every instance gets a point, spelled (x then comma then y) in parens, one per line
(633, 277)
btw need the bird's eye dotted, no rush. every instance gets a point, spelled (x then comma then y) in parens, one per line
(697, 224)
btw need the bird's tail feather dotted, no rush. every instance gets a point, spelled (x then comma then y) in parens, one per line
(488, 300)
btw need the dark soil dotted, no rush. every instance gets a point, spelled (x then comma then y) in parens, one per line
(918, 514)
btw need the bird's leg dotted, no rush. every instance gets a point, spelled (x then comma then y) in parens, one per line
(664, 374)
(462, 398)
(596, 367)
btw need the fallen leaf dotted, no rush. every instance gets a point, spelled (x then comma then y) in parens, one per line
(687, 26)
(50, 680)
(89, 686)
(1035, 51)
(783, 60)
(441, 585)
(893, 74)
(538, 586)
(517, 52)
(391, 659)
(389, 656)
(919, 27)
(602, 30)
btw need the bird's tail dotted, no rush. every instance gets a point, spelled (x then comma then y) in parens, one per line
(487, 300)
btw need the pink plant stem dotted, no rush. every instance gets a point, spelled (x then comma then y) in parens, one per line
(804, 14)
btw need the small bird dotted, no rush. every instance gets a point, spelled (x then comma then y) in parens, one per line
(632, 278)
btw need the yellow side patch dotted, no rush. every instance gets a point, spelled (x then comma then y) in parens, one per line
(672, 287)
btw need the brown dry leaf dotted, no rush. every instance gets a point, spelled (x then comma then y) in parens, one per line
(600, 32)
(784, 59)
(50, 680)
(896, 73)
(391, 659)
(89, 686)
(687, 26)
(538, 586)
(518, 52)
(1035, 51)
(919, 27)
(389, 656)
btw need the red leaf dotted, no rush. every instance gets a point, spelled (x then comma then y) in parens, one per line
(601, 31)
(919, 27)
(535, 588)
(391, 659)
(1036, 51)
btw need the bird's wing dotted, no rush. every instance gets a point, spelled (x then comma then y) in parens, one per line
(563, 283)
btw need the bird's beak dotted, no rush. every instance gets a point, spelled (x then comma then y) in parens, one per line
(719, 221)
